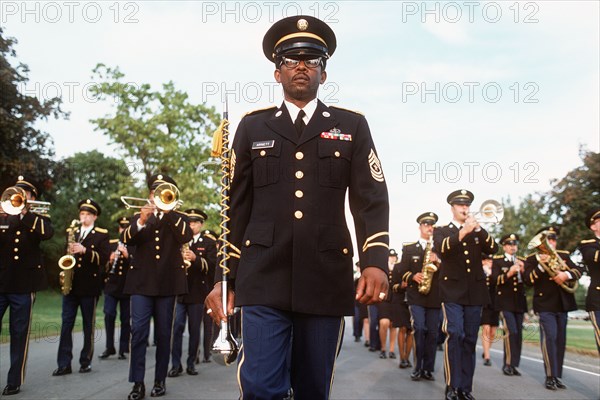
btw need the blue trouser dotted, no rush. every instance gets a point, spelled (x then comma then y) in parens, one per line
(110, 316)
(553, 340)
(425, 324)
(374, 340)
(143, 308)
(461, 326)
(283, 350)
(70, 303)
(356, 322)
(209, 334)
(513, 341)
(595, 319)
(193, 313)
(19, 324)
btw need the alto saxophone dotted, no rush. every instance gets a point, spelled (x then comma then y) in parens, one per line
(428, 269)
(67, 262)
(185, 247)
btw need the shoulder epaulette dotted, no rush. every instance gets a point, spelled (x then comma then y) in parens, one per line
(101, 230)
(260, 110)
(563, 251)
(531, 254)
(521, 258)
(345, 109)
(208, 235)
(588, 241)
(498, 256)
(113, 241)
(137, 213)
(408, 244)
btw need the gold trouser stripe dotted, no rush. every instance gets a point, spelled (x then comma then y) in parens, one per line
(24, 365)
(130, 333)
(337, 351)
(172, 322)
(42, 225)
(446, 359)
(507, 352)
(243, 357)
(93, 332)
(596, 328)
(545, 352)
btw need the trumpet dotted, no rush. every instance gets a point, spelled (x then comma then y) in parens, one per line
(490, 212)
(14, 200)
(166, 198)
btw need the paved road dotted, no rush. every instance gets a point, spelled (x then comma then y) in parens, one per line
(360, 375)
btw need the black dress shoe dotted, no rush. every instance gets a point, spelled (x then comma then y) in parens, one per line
(382, 355)
(138, 392)
(507, 370)
(107, 353)
(85, 369)
(408, 364)
(62, 371)
(367, 344)
(191, 371)
(465, 395)
(487, 362)
(549, 384)
(10, 390)
(416, 375)
(357, 339)
(122, 356)
(392, 354)
(559, 384)
(451, 393)
(159, 389)
(428, 376)
(175, 371)
(206, 360)
(515, 372)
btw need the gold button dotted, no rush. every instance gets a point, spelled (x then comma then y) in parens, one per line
(445, 278)
(541, 294)
(248, 242)
(299, 174)
(39, 266)
(466, 251)
(16, 249)
(299, 155)
(131, 267)
(464, 244)
(515, 283)
(157, 239)
(263, 153)
(18, 232)
(345, 251)
(120, 273)
(337, 154)
(158, 257)
(299, 194)
(157, 247)
(468, 269)
(16, 257)
(468, 261)
(298, 214)
(515, 289)
(597, 287)
(78, 265)
(94, 274)
(92, 246)
(156, 231)
(16, 240)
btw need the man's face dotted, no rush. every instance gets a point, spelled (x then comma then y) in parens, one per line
(595, 227)
(552, 242)
(300, 83)
(510, 249)
(196, 226)
(87, 218)
(460, 212)
(426, 230)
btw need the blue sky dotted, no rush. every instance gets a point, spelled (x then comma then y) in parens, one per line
(526, 72)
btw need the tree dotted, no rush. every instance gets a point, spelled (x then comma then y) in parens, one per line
(162, 131)
(25, 149)
(84, 175)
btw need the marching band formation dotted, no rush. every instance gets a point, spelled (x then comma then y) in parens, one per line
(288, 280)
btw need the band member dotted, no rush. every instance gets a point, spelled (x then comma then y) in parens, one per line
(22, 274)
(387, 311)
(202, 256)
(292, 168)
(552, 303)
(590, 251)
(401, 316)
(118, 266)
(91, 250)
(489, 316)
(463, 291)
(156, 276)
(507, 272)
(424, 304)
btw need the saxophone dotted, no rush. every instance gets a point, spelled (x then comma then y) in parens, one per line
(428, 269)
(67, 262)
(185, 247)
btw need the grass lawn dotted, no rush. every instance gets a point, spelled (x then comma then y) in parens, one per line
(46, 318)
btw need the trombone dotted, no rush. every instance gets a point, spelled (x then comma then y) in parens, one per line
(14, 200)
(166, 198)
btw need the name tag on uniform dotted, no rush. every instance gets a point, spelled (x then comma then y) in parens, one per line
(265, 144)
(336, 134)
(4, 226)
(415, 258)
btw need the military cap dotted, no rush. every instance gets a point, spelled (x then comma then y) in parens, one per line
(157, 179)
(196, 214)
(552, 230)
(485, 256)
(461, 196)
(509, 238)
(89, 205)
(429, 218)
(29, 184)
(393, 253)
(124, 222)
(301, 35)
(591, 216)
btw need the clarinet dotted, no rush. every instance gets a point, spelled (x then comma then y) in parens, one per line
(117, 256)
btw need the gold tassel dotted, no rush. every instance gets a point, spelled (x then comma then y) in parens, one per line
(217, 141)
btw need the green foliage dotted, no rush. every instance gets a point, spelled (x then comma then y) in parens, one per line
(25, 149)
(84, 175)
(161, 131)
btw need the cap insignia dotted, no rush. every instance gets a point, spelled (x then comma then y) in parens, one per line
(302, 24)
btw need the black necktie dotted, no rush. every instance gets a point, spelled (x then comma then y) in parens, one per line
(299, 123)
